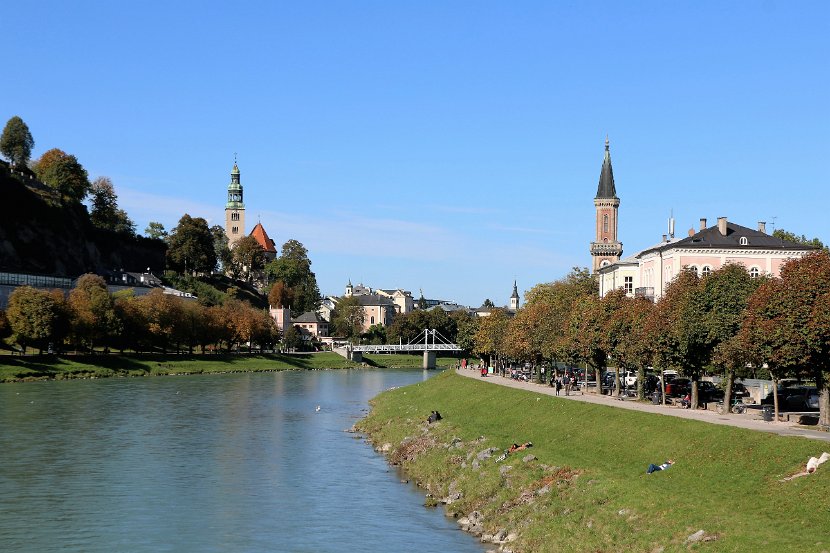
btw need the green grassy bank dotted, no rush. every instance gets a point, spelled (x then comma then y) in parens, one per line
(49, 367)
(586, 489)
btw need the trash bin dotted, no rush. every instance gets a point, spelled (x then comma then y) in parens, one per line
(655, 398)
(768, 413)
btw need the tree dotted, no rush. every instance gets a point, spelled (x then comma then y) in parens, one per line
(191, 246)
(36, 317)
(62, 172)
(293, 268)
(220, 247)
(280, 295)
(348, 317)
(725, 293)
(105, 213)
(683, 340)
(248, 257)
(633, 346)
(156, 231)
(93, 316)
(792, 237)
(16, 143)
(488, 304)
(376, 334)
(805, 310)
(467, 326)
(489, 339)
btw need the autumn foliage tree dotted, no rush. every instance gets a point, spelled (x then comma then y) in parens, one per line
(63, 173)
(93, 317)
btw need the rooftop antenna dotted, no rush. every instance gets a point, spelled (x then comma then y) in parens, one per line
(671, 224)
(234, 158)
(774, 217)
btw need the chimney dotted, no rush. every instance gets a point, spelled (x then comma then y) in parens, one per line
(762, 226)
(703, 223)
(691, 232)
(664, 238)
(722, 225)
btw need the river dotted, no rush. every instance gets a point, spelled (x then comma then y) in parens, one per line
(219, 463)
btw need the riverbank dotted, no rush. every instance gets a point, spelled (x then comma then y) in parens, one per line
(55, 367)
(582, 485)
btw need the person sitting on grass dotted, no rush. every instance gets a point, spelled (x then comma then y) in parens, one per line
(654, 468)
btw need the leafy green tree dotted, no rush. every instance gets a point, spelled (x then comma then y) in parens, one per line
(376, 334)
(292, 338)
(93, 316)
(156, 230)
(37, 317)
(248, 257)
(62, 172)
(684, 342)
(293, 268)
(348, 318)
(467, 326)
(488, 304)
(190, 246)
(16, 143)
(105, 212)
(724, 296)
(220, 247)
(792, 237)
(492, 329)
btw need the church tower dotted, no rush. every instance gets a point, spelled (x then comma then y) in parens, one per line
(234, 209)
(606, 249)
(514, 298)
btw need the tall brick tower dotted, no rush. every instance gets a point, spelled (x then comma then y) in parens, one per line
(234, 209)
(606, 249)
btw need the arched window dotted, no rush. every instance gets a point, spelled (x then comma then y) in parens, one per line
(754, 272)
(706, 270)
(235, 230)
(744, 241)
(605, 263)
(605, 223)
(371, 320)
(695, 269)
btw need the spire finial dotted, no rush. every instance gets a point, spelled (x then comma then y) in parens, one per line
(606, 143)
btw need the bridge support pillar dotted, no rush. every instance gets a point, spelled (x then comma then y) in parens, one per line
(429, 359)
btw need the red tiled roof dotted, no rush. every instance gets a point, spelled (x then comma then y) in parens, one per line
(262, 238)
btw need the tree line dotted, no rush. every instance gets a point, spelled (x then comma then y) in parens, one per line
(725, 322)
(91, 319)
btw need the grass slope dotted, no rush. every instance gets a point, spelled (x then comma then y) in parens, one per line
(588, 490)
(48, 367)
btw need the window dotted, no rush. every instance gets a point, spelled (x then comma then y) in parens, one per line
(695, 269)
(605, 223)
(371, 320)
(706, 270)
(754, 272)
(605, 263)
(235, 230)
(629, 284)
(744, 241)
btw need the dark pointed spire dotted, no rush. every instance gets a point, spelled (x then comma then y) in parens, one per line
(606, 187)
(515, 290)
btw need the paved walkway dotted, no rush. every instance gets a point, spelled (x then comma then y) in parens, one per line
(750, 421)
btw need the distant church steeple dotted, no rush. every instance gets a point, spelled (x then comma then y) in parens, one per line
(514, 298)
(606, 249)
(234, 208)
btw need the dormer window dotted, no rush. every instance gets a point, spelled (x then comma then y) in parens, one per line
(744, 241)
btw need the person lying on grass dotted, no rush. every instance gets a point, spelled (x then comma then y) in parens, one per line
(654, 468)
(511, 449)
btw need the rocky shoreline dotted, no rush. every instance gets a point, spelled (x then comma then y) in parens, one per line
(487, 520)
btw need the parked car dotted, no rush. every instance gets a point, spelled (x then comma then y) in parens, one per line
(801, 398)
(707, 392)
(627, 380)
(739, 390)
(678, 387)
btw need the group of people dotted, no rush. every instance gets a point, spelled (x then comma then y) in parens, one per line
(563, 382)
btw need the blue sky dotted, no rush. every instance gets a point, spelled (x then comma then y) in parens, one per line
(445, 146)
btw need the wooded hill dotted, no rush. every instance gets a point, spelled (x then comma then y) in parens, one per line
(41, 235)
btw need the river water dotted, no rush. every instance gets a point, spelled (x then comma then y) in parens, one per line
(220, 463)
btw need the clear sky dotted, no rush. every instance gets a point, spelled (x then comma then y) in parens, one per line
(446, 146)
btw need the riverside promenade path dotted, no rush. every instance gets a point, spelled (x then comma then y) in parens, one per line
(750, 421)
